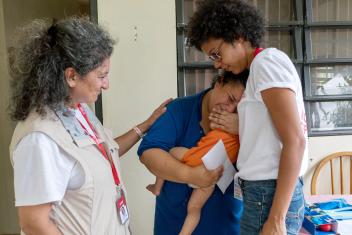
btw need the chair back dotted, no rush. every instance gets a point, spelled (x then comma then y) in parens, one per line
(330, 159)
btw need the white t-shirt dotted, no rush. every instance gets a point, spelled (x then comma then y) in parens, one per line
(260, 150)
(43, 171)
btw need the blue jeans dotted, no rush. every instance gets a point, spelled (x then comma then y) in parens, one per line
(257, 200)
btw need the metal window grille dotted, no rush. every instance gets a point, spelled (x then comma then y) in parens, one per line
(316, 34)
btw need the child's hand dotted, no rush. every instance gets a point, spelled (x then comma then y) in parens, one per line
(223, 120)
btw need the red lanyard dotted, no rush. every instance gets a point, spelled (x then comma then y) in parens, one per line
(99, 145)
(257, 51)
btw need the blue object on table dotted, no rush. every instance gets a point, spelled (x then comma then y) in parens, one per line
(333, 204)
(338, 209)
(314, 217)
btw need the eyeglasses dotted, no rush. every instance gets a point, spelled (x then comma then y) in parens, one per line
(216, 55)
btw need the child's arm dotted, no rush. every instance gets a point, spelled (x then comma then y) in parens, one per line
(163, 165)
(178, 152)
(194, 156)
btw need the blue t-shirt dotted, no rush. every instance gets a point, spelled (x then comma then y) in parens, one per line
(180, 127)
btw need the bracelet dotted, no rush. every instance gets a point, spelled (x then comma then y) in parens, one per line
(138, 132)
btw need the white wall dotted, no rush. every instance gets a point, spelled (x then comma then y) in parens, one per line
(8, 221)
(143, 73)
(17, 12)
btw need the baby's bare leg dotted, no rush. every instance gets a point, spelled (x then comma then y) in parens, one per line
(156, 187)
(178, 152)
(195, 204)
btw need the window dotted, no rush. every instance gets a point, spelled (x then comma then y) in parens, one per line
(327, 67)
(195, 70)
(317, 36)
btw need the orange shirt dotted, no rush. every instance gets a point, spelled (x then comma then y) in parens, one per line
(193, 157)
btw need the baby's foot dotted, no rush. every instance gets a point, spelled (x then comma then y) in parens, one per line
(152, 188)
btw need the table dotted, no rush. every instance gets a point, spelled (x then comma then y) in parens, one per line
(345, 227)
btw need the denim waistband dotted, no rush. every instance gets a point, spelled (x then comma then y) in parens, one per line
(271, 182)
(245, 183)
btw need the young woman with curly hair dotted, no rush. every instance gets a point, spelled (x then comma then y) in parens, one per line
(272, 125)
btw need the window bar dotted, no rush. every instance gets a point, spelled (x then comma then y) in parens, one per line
(308, 45)
(266, 9)
(337, 61)
(198, 75)
(180, 48)
(297, 43)
(328, 98)
(300, 74)
(309, 117)
(338, 13)
(309, 11)
(98, 105)
(298, 9)
(307, 84)
(279, 17)
(197, 65)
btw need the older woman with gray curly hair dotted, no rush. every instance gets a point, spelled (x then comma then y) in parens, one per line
(66, 164)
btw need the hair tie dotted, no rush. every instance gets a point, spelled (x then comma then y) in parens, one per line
(52, 30)
(51, 33)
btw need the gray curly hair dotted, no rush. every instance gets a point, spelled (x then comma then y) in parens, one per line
(43, 51)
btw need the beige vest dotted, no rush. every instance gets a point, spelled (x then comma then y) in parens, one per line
(90, 209)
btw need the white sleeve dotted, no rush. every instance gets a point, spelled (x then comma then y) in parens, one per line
(274, 69)
(41, 170)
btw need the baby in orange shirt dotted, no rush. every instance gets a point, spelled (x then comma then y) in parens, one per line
(225, 84)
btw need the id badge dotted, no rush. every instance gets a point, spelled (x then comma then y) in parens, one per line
(121, 206)
(237, 190)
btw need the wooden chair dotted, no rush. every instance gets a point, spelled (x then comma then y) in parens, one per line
(339, 156)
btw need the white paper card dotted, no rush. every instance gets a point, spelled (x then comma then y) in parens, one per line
(344, 227)
(216, 157)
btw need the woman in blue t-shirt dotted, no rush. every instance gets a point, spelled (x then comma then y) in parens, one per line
(184, 123)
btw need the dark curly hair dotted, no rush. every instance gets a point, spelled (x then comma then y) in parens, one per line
(43, 51)
(225, 19)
